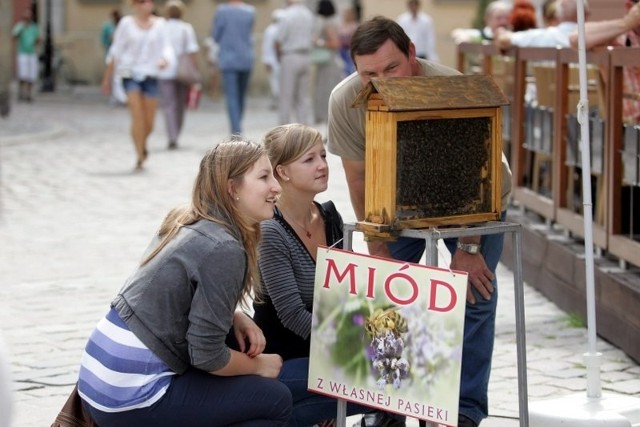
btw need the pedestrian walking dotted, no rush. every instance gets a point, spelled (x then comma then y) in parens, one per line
(118, 96)
(139, 51)
(420, 29)
(173, 93)
(233, 31)
(108, 28)
(159, 357)
(27, 35)
(294, 41)
(348, 25)
(328, 68)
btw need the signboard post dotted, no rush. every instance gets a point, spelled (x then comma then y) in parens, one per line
(388, 334)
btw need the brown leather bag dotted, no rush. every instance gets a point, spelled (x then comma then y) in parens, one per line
(73, 414)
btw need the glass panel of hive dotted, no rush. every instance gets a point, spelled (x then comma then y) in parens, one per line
(443, 167)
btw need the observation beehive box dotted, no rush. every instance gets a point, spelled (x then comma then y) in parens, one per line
(433, 152)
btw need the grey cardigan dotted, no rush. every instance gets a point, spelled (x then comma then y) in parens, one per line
(181, 303)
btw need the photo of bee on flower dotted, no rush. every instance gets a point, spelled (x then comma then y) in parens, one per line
(389, 345)
(385, 328)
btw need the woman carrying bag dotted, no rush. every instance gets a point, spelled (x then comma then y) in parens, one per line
(139, 51)
(173, 89)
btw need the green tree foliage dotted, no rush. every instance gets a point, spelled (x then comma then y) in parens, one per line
(478, 20)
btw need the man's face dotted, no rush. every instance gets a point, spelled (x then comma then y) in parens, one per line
(413, 7)
(387, 61)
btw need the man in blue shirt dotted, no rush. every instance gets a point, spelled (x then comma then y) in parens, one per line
(232, 30)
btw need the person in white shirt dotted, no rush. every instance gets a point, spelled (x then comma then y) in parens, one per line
(140, 49)
(293, 43)
(554, 36)
(419, 27)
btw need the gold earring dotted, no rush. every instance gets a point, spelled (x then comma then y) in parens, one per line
(237, 198)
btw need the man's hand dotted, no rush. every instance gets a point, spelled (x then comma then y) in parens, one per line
(480, 277)
(379, 248)
(244, 328)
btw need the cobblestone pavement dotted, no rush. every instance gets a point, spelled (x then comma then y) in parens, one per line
(75, 219)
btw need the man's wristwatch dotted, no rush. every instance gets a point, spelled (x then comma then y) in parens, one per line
(470, 248)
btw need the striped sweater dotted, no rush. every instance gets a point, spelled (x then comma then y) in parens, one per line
(287, 271)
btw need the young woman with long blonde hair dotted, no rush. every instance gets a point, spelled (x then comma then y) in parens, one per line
(160, 357)
(140, 49)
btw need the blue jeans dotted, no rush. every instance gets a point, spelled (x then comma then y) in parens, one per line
(235, 84)
(199, 399)
(310, 408)
(479, 324)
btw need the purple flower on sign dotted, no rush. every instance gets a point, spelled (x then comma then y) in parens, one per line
(386, 328)
(358, 319)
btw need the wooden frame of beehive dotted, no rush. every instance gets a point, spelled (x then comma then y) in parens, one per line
(433, 152)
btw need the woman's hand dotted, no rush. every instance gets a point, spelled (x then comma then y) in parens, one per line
(245, 329)
(106, 86)
(107, 77)
(269, 365)
(265, 365)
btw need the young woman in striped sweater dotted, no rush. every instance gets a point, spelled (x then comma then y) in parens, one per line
(287, 260)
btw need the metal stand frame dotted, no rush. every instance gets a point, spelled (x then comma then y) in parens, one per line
(431, 236)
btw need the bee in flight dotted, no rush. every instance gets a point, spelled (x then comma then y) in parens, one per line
(383, 320)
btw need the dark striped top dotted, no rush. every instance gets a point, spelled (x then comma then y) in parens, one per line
(287, 272)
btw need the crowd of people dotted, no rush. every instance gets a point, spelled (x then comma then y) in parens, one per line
(566, 12)
(559, 28)
(303, 52)
(621, 32)
(176, 345)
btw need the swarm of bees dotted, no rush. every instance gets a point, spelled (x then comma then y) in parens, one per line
(430, 153)
(383, 320)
